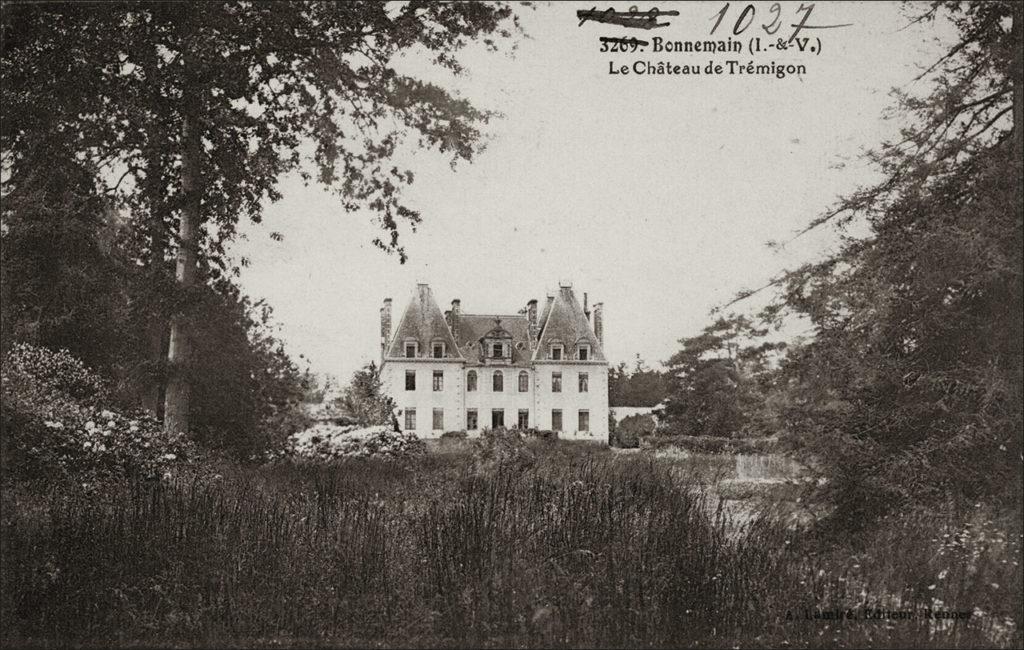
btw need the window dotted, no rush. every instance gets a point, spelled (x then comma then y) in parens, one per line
(584, 424)
(410, 380)
(410, 419)
(438, 380)
(498, 382)
(524, 419)
(497, 418)
(584, 352)
(524, 381)
(556, 420)
(410, 349)
(471, 381)
(497, 350)
(438, 350)
(471, 423)
(556, 352)
(556, 382)
(584, 382)
(439, 419)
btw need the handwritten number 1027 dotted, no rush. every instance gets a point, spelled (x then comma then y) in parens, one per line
(746, 17)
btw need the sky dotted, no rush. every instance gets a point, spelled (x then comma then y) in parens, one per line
(655, 195)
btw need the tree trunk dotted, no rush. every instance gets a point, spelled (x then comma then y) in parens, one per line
(176, 404)
(156, 323)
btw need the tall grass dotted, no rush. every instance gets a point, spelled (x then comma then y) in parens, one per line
(591, 550)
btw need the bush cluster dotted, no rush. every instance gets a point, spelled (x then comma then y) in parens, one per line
(501, 447)
(57, 421)
(626, 434)
(330, 441)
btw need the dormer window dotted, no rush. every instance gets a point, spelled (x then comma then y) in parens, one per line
(437, 350)
(496, 345)
(583, 353)
(411, 348)
(556, 351)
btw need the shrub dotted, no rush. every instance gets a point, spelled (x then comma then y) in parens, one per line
(503, 447)
(54, 423)
(628, 432)
(330, 441)
(454, 435)
(47, 374)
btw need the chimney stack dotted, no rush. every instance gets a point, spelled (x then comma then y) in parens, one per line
(453, 321)
(385, 328)
(586, 309)
(531, 316)
(599, 322)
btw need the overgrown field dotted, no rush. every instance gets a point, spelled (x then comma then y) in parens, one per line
(567, 546)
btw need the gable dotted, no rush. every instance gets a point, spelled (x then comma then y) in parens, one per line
(423, 322)
(566, 323)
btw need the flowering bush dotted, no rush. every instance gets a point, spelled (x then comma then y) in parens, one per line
(41, 373)
(327, 441)
(53, 423)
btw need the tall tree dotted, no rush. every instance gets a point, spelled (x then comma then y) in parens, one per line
(911, 387)
(715, 377)
(365, 400)
(203, 107)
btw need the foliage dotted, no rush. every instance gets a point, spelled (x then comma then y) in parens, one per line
(642, 386)
(328, 441)
(365, 400)
(64, 279)
(54, 423)
(197, 114)
(69, 282)
(719, 379)
(264, 79)
(455, 435)
(501, 447)
(627, 433)
(910, 388)
(249, 391)
(595, 550)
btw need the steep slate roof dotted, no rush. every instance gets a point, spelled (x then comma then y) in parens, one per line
(543, 320)
(423, 321)
(567, 324)
(473, 327)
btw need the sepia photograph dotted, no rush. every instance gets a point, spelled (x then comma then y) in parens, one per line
(481, 324)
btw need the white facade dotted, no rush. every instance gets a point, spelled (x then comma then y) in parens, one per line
(539, 402)
(430, 360)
